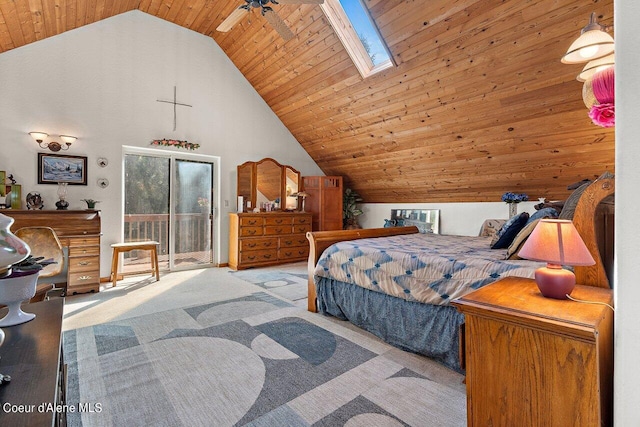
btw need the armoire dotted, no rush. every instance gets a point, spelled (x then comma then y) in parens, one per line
(324, 201)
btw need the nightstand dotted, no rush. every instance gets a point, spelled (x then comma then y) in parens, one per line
(535, 361)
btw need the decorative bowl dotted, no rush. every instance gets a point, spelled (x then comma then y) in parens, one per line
(12, 249)
(14, 289)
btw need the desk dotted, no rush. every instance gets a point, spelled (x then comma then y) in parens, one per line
(32, 355)
(79, 231)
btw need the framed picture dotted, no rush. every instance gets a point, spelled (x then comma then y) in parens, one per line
(55, 168)
(427, 220)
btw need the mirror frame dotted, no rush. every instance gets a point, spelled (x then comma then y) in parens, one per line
(247, 182)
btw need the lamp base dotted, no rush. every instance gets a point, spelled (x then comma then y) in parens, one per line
(555, 282)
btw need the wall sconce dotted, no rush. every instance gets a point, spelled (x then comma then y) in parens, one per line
(593, 43)
(53, 145)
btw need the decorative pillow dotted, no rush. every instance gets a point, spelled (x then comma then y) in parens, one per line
(543, 213)
(490, 227)
(509, 230)
(570, 204)
(521, 237)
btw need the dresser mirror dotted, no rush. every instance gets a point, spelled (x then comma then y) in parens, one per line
(267, 181)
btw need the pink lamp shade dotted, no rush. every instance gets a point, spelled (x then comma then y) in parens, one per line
(558, 243)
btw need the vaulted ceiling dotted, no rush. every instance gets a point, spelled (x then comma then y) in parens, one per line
(477, 105)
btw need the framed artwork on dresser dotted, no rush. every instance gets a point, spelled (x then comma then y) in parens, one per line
(56, 168)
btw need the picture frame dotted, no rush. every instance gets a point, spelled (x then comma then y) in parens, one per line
(55, 168)
(427, 220)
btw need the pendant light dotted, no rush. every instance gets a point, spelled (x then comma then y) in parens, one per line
(594, 42)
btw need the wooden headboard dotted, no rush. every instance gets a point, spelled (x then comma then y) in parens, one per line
(592, 219)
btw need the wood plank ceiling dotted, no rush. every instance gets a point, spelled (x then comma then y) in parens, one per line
(478, 104)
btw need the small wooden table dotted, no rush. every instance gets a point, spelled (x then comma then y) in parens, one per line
(118, 248)
(536, 361)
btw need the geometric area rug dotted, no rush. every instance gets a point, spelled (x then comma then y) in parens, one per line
(250, 361)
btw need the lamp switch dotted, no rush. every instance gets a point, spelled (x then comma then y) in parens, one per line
(226, 203)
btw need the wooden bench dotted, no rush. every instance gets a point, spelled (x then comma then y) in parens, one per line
(133, 246)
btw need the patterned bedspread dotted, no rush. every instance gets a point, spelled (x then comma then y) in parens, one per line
(429, 268)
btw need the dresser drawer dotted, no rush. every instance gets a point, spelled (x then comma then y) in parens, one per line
(293, 253)
(84, 250)
(249, 257)
(84, 241)
(250, 231)
(295, 240)
(83, 278)
(251, 221)
(301, 228)
(275, 230)
(258, 244)
(277, 220)
(302, 220)
(77, 264)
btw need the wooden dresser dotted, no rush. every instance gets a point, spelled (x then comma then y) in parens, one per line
(32, 356)
(268, 238)
(324, 201)
(80, 232)
(536, 361)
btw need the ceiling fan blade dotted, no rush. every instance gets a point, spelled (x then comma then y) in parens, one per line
(278, 24)
(300, 1)
(235, 17)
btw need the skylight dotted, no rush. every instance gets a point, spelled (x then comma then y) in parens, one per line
(352, 23)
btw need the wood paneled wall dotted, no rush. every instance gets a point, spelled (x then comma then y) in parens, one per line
(479, 103)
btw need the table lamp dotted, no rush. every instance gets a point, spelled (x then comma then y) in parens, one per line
(558, 243)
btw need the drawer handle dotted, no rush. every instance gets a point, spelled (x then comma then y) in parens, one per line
(288, 253)
(254, 222)
(251, 245)
(84, 277)
(287, 242)
(251, 257)
(266, 245)
(278, 221)
(279, 230)
(84, 263)
(267, 256)
(251, 231)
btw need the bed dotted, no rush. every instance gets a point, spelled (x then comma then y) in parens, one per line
(397, 283)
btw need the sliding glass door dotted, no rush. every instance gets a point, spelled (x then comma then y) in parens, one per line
(169, 198)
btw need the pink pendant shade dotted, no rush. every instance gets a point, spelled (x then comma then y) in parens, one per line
(556, 241)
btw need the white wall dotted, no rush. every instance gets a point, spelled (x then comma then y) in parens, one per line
(101, 82)
(462, 219)
(627, 267)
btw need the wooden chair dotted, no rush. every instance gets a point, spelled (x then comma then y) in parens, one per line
(43, 242)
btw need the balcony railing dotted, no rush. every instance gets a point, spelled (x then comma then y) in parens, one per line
(192, 237)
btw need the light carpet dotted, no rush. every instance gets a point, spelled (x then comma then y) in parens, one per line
(246, 356)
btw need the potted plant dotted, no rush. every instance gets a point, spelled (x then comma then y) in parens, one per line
(91, 204)
(350, 210)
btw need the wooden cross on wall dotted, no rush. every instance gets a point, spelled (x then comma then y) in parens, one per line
(175, 105)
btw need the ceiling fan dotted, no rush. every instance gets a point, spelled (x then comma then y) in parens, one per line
(272, 17)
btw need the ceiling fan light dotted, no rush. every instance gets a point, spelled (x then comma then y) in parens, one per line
(592, 44)
(594, 66)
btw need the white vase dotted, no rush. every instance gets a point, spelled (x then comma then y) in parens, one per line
(14, 289)
(12, 249)
(513, 209)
